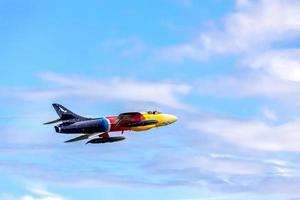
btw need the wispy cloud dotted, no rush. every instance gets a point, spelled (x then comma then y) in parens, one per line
(242, 85)
(41, 194)
(217, 165)
(34, 193)
(238, 196)
(229, 174)
(253, 26)
(256, 135)
(251, 31)
(282, 64)
(163, 93)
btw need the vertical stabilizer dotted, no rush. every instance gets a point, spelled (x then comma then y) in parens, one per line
(64, 113)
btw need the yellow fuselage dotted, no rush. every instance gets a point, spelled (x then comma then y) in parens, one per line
(163, 119)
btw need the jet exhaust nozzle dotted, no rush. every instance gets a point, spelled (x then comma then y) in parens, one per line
(57, 129)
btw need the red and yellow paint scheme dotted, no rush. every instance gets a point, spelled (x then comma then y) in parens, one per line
(140, 121)
(71, 123)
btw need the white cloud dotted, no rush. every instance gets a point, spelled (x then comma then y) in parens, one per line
(253, 25)
(218, 166)
(281, 64)
(36, 193)
(161, 93)
(223, 165)
(239, 196)
(251, 30)
(254, 135)
(41, 194)
(251, 84)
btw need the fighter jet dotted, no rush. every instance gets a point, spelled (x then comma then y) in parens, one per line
(71, 123)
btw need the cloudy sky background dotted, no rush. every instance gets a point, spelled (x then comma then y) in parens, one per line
(230, 70)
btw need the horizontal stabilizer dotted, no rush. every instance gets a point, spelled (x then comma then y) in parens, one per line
(53, 122)
(82, 137)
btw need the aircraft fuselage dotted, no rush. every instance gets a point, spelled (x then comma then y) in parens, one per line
(71, 123)
(108, 124)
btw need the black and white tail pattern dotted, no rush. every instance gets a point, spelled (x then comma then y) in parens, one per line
(64, 113)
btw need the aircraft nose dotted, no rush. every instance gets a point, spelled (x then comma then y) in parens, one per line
(171, 119)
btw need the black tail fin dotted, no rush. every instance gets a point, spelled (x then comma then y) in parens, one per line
(64, 113)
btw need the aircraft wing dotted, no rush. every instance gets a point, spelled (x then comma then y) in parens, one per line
(86, 136)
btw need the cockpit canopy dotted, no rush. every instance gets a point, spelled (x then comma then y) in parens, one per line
(154, 112)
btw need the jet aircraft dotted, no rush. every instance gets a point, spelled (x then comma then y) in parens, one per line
(71, 123)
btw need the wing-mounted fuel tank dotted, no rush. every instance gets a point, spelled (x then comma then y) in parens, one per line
(106, 140)
(86, 126)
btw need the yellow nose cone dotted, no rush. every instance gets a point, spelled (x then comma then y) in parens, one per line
(169, 119)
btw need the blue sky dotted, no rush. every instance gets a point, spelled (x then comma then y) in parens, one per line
(230, 70)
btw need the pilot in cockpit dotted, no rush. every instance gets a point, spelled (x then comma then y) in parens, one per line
(153, 112)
